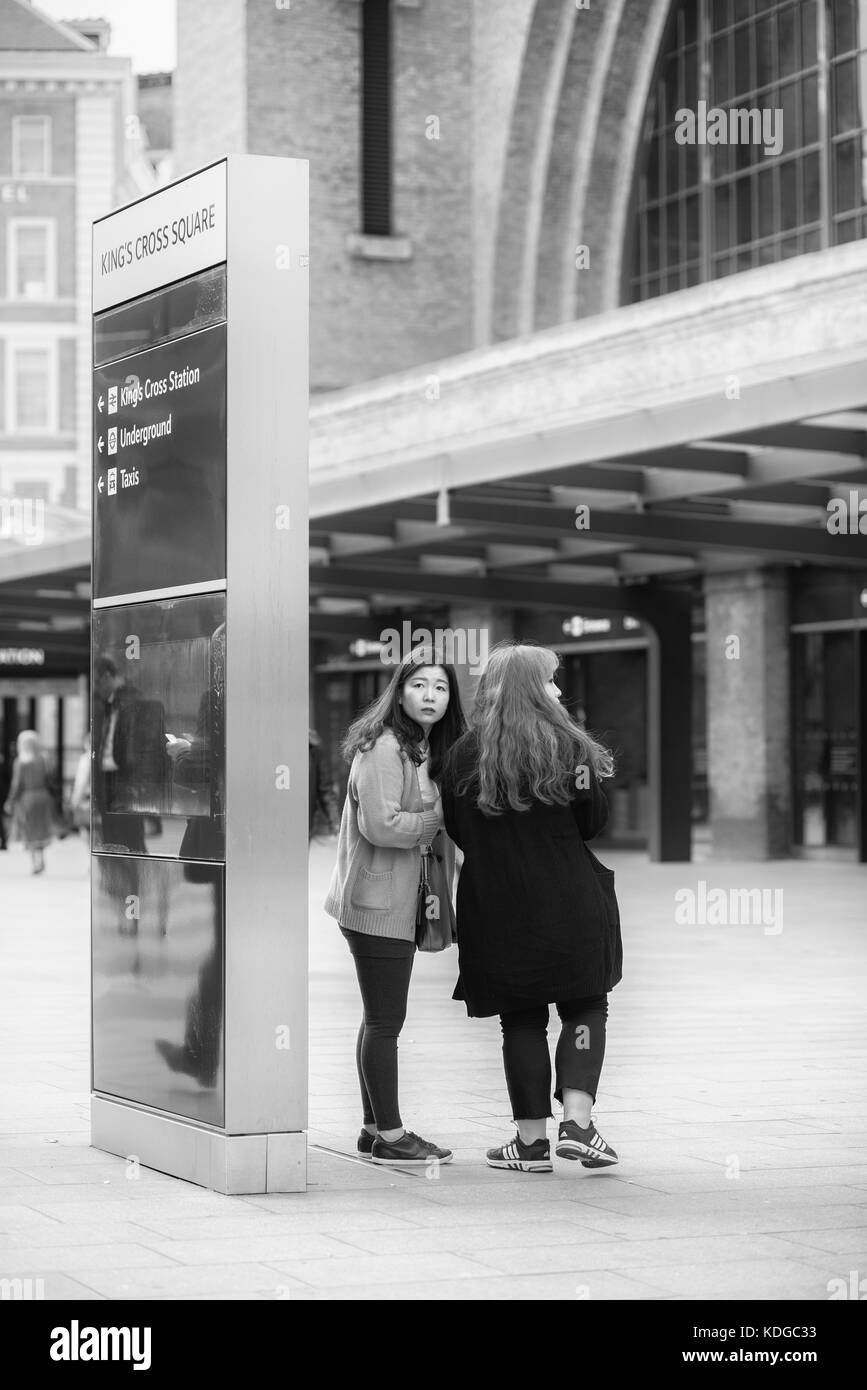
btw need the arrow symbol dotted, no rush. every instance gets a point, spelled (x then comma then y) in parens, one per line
(101, 484)
(99, 404)
(100, 446)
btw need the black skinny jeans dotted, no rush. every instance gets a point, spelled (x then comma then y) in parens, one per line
(578, 1060)
(384, 967)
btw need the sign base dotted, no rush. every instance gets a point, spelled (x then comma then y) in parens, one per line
(236, 1164)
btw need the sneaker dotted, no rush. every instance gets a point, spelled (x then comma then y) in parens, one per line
(521, 1157)
(409, 1148)
(365, 1143)
(585, 1144)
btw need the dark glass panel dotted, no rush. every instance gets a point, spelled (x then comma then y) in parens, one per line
(843, 26)
(789, 246)
(741, 10)
(809, 35)
(689, 14)
(809, 111)
(653, 239)
(672, 234)
(787, 41)
(745, 260)
(722, 204)
(743, 60)
(743, 211)
(789, 104)
(693, 273)
(693, 227)
(812, 241)
(845, 84)
(720, 14)
(651, 289)
(720, 80)
(653, 171)
(846, 175)
(766, 52)
(744, 149)
(690, 96)
(723, 265)
(811, 204)
(767, 182)
(767, 253)
(789, 195)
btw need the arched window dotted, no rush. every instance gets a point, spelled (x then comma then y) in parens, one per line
(755, 140)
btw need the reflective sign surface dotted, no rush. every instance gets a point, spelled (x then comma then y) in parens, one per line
(158, 995)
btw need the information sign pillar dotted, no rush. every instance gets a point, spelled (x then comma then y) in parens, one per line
(199, 678)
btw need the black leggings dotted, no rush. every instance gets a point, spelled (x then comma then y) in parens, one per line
(578, 1060)
(383, 967)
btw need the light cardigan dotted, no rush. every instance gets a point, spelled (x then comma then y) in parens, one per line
(375, 881)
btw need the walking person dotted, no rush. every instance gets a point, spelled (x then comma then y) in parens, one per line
(79, 800)
(537, 918)
(391, 815)
(29, 802)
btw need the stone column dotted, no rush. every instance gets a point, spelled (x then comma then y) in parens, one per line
(748, 723)
(480, 626)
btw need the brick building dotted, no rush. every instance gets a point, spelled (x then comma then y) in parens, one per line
(69, 151)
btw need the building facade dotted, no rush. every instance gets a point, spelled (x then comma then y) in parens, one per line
(69, 151)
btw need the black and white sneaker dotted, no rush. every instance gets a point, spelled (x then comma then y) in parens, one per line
(586, 1145)
(522, 1158)
(365, 1144)
(409, 1148)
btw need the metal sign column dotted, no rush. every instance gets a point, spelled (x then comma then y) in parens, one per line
(199, 679)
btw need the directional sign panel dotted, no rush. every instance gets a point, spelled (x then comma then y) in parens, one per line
(159, 468)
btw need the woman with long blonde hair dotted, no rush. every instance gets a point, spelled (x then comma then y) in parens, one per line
(537, 919)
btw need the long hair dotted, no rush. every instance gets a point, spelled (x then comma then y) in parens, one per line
(529, 748)
(387, 713)
(28, 746)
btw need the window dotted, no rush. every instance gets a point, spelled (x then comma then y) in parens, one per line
(32, 390)
(32, 259)
(790, 77)
(31, 147)
(376, 117)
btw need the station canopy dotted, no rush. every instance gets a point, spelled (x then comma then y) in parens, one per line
(721, 428)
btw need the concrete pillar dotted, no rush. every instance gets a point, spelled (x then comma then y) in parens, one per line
(748, 722)
(477, 628)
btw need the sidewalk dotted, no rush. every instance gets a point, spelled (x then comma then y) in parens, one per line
(733, 1090)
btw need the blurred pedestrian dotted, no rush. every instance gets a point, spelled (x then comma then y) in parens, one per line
(321, 795)
(392, 816)
(79, 800)
(5, 777)
(29, 802)
(537, 917)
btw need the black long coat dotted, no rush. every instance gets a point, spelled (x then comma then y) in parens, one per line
(537, 917)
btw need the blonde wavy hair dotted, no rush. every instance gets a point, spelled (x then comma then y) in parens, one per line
(529, 748)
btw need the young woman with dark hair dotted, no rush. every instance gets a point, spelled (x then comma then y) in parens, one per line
(537, 918)
(391, 814)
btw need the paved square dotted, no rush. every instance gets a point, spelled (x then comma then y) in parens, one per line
(733, 1088)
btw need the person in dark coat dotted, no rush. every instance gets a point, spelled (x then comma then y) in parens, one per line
(320, 795)
(29, 801)
(537, 919)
